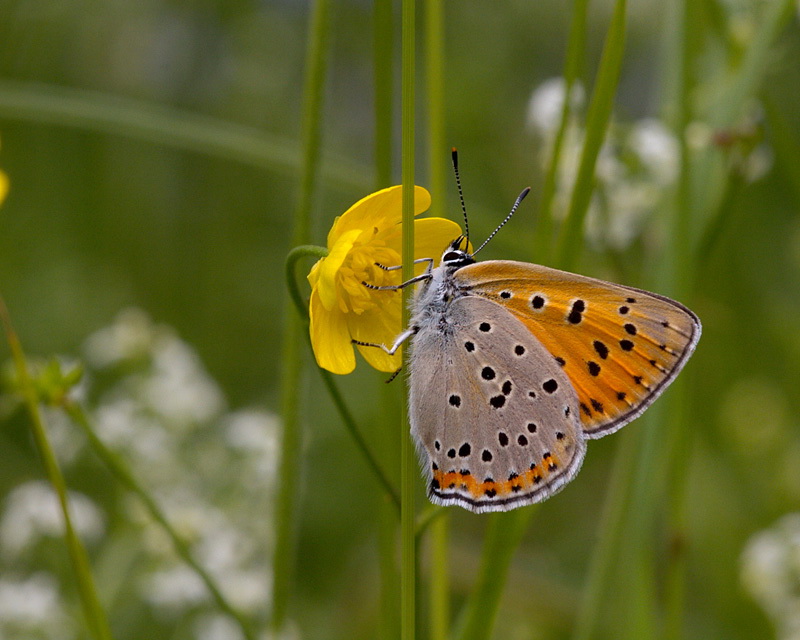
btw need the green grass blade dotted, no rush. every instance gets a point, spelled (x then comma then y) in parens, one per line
(168, 126)
(383, 64)
(383, 49)
(95, 615)
(602, 102)
(125, 477)
(576, 50)
(503, 535)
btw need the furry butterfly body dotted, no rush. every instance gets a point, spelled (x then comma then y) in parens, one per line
(515, 365)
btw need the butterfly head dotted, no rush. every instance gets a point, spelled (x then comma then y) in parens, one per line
(457, 255)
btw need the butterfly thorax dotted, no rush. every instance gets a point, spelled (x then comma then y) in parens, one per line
(435, 296)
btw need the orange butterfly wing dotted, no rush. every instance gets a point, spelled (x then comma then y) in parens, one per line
(619, 346)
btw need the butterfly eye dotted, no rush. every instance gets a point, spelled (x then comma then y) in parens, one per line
(451, 256)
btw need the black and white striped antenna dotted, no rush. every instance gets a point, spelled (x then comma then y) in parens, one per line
(460, 193)
(519, 199)
(517, 202)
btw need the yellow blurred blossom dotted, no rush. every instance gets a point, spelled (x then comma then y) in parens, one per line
(4, 184)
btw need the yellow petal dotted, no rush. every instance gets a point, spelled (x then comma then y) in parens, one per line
(379, 326)
(326, 285)
(313, 275)
(377, 211)
(330, 338)
(432, 236)
(3, 186)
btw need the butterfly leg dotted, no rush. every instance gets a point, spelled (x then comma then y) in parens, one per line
(400, 266)
(402, 285)
(426, 275)
(393, 349)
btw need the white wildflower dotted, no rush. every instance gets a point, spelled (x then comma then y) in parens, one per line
(217, 627)
(33, 605)
(32, 511)
(130, 337)
(547, 102)
(771, 574)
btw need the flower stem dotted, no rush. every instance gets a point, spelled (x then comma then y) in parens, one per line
(95, 615)
(408, 463)
(363, 447)
(294, 256)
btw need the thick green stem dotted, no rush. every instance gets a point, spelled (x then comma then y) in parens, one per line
(439, 587)
(408, 463)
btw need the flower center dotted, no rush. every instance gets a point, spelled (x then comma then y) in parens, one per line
(360, 267)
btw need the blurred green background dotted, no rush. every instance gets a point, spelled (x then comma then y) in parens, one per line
(153, 153)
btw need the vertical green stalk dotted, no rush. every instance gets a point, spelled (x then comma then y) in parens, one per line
(383, 50)
(289, 465)
(408, 469)
(440, 579)
(383, 41)
(597, 119)
(611, 531)
(576, 50)
(90, 603)
(438, 156)
(503, 535)
(439, 591)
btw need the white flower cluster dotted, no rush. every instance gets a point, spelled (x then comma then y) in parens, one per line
(771, 574)
(211, 471)
(637, 167)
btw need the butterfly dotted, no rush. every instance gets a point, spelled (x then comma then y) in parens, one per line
(514, 366)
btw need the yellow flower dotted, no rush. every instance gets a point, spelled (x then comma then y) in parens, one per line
(341, 307)
(3, 186)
